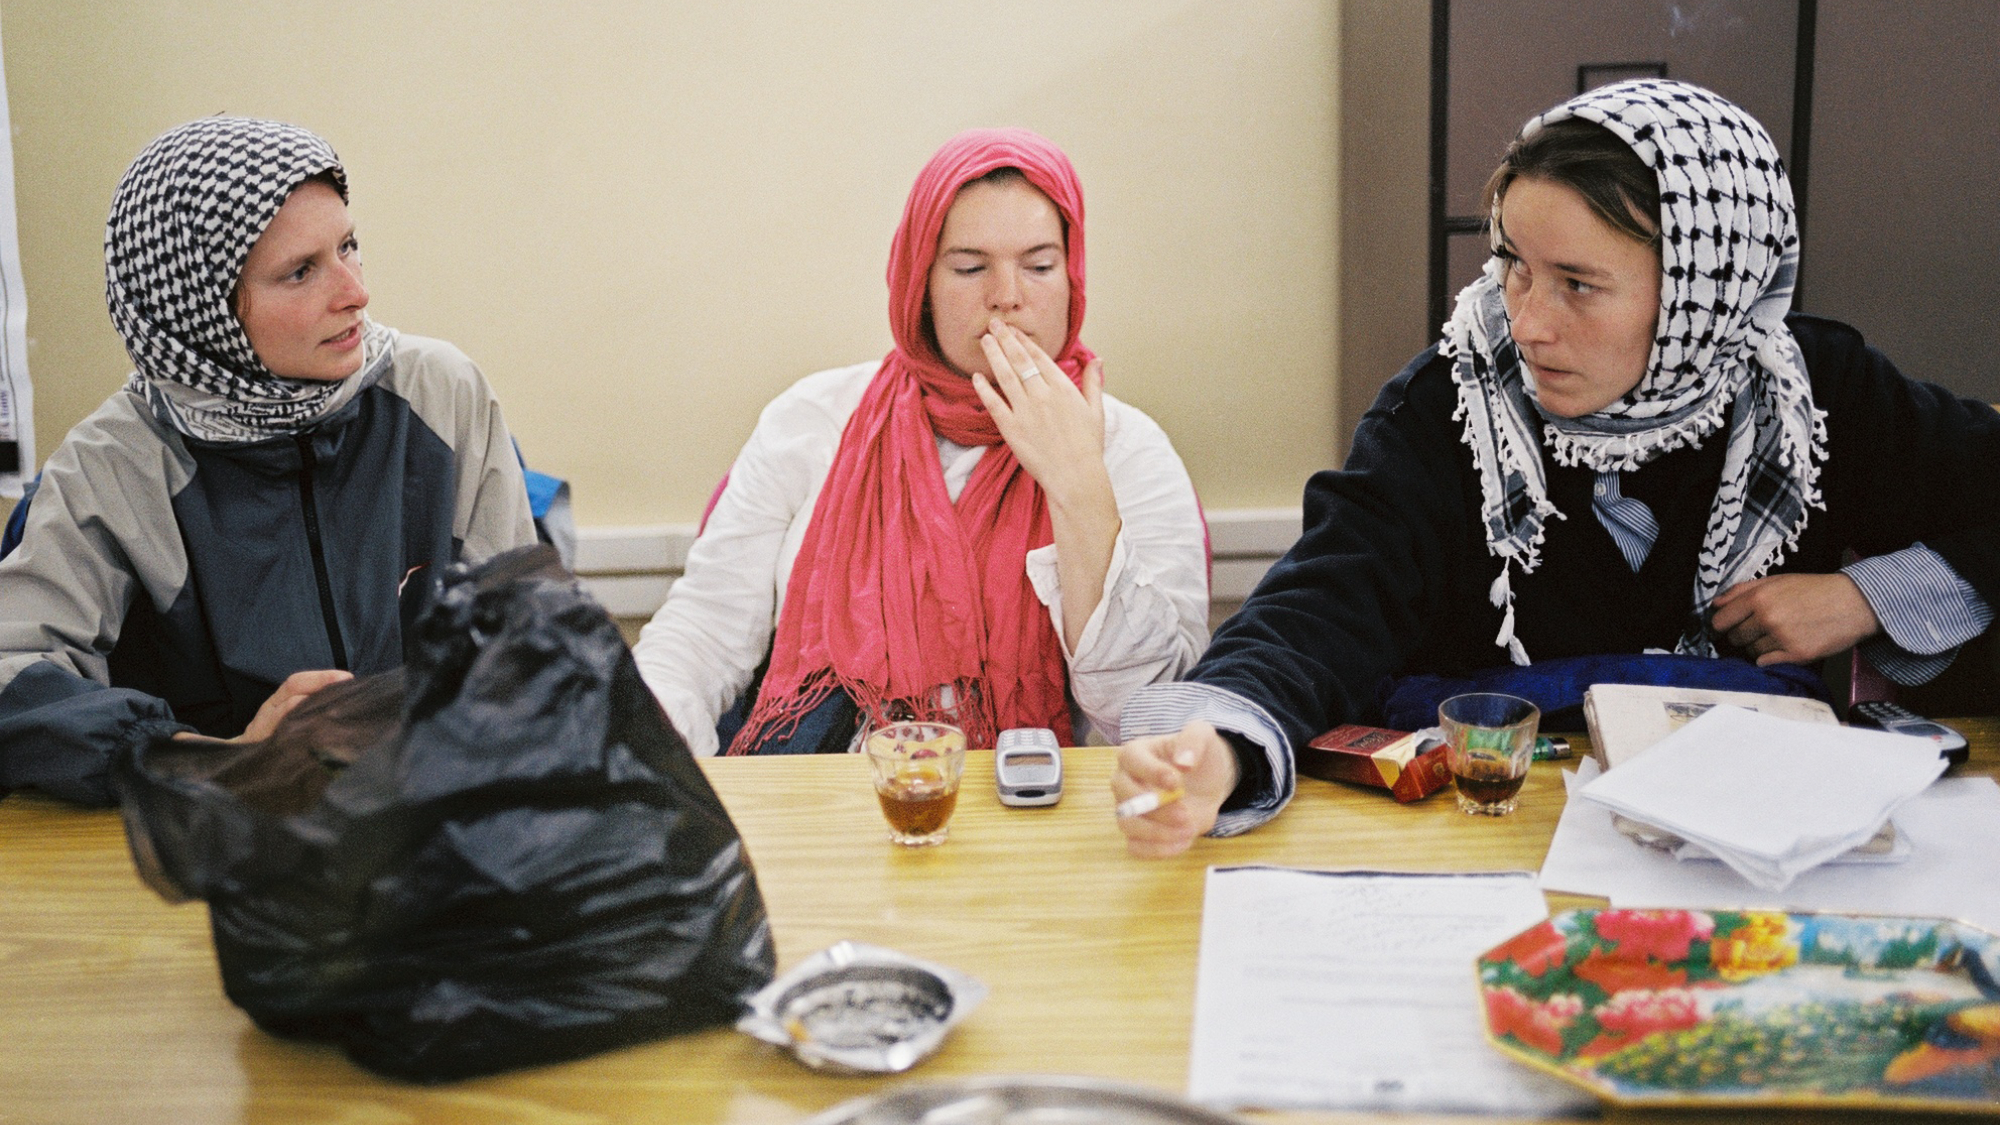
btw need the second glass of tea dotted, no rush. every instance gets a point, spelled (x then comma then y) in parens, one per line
(917, 769)
(1491, 740)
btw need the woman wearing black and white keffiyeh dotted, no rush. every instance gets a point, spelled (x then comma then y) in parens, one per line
(231, 530)
(1624, 443)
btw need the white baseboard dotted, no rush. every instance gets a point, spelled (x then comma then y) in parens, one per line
(1253, 533)
(630, 568)
(655, 549)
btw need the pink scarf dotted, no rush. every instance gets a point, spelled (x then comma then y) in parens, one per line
(896, 592)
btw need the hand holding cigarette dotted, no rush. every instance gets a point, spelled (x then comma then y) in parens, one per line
(1148, 801)
(1169, 788)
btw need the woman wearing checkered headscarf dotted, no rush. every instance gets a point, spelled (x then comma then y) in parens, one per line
(1625, 443)
(233, 527)
(184, 222)
(1711, 338)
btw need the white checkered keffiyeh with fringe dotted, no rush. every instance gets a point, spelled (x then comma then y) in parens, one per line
(183, 219)
(1722, 356)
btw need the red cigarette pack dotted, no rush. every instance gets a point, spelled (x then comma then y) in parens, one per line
(1408, 767)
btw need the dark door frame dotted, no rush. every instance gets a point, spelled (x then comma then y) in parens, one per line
(1442, 226)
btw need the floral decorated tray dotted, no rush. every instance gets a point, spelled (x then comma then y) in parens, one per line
(1753, 1008)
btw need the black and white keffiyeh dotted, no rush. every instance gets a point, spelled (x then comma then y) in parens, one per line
(183, 219)
(1722, 354)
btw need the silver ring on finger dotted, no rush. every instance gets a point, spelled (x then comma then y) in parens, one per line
(1031, 373)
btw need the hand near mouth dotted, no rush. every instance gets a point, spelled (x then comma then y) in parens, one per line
(1053, 427)
(1056, 431)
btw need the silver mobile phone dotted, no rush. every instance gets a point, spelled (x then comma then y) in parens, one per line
(1027, 767)
(1901, 720)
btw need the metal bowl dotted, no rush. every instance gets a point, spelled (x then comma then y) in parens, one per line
(1022, 1100)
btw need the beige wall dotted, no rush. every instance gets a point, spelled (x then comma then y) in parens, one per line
(644, 220)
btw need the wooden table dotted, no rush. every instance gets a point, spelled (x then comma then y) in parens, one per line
(111, 1009)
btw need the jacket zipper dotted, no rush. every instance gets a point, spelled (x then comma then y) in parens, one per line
(307, 463)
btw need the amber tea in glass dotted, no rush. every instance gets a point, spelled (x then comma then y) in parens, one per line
(917, 768)
(1491, 740)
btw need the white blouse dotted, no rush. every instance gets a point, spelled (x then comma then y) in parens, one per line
(701, 649)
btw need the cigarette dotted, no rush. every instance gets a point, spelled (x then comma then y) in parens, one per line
(1148, 801)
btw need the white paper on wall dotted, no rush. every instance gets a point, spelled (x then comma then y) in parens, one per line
(17, 400)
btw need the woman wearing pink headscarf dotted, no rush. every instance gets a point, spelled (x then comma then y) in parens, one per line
(969, 529)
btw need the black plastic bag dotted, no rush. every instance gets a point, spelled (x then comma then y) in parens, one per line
(502, 855)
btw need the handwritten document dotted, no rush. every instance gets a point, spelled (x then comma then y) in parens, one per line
(1356, 990)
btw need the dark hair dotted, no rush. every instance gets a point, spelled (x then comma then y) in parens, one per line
(1003, 174)
(1592, 160)
(338, 184)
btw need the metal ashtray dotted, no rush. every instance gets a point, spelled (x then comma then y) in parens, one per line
(1001, 1100)
(861, 1009)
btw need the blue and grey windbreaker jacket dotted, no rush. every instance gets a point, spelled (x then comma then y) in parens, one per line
(165, 583)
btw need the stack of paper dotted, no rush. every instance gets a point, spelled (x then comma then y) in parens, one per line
(1953, 829)
(1769, 797)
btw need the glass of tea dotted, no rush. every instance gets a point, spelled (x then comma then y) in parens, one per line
(917, 769)
(1490, 741)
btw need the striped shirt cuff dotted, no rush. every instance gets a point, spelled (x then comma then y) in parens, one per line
(1166, 708)
(1926, 611)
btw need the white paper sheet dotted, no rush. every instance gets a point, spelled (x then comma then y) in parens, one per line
(1357, 990)
(1953, 870)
